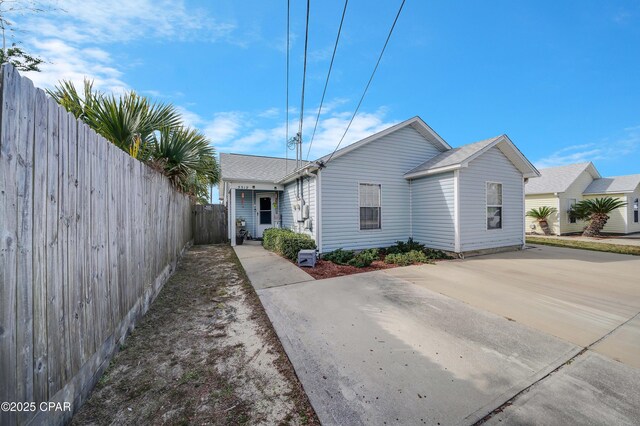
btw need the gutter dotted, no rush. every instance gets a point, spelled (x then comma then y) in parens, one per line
(301, 172)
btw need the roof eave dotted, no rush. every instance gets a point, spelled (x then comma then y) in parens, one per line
(433, 171)
(303, 171)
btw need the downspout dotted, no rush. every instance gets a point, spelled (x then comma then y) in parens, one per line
(410, 209)
(456, 210)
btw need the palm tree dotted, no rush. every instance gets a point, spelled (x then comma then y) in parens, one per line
(186, 157)
(150, 132)
(541, 215)
(596, 211)
(128, 121)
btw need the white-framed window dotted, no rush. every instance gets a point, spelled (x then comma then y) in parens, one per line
(369, 194)
(572, 202)
(494, 205)
(635, 210)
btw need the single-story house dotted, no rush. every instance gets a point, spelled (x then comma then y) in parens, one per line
(402, 182)
(562, 187)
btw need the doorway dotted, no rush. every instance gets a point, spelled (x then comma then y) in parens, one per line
(264, 213)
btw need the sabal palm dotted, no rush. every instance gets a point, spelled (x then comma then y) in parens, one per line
(596, 211)
(186, 157)
(541, 215)
(127, 121)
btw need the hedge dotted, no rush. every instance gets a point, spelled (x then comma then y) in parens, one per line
(286, 242)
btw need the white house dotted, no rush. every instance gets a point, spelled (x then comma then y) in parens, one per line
(561, 187)
(402, 182)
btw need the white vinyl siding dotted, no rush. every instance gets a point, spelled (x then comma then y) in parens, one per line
(633, 200)
(433, 211)
(492, 166)
(307, 192)
(383, 161)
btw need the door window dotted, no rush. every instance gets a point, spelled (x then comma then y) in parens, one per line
(265, 210)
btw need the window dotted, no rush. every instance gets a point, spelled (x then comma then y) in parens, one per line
(369, 206)
(635, 210)
(571, 202)
(494, 205)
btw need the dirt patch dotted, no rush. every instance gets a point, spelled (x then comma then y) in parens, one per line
(205, 353)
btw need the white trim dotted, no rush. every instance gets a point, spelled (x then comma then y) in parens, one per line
(524, 215)
(456, 210)
(486, 205)
(358, 205)
(410, 209)
(232, 219)
(256, 186)
(318, 225)
(433, 171)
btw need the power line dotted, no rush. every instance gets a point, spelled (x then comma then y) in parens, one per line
(304, 79)
(369, 82)
(286, 144)
(326, 83)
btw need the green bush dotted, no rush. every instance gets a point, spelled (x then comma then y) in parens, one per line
(339, 256)
(435, 254)
(404, 259)
(364, 258)
(270, 237)
(402, 247)
(289, 244)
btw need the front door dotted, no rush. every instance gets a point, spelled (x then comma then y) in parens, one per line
(264, 214)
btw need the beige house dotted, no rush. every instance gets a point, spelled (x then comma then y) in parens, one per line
(563, 186)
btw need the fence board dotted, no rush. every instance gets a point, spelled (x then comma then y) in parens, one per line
(86, 232)
(209, 224)
(8, 242)
(40, 383)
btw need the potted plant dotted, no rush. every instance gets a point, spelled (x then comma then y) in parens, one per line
(541, 215)
(241, 222)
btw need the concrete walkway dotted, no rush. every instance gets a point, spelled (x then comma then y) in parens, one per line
(266, 269)
(623, 240)
(388, 347)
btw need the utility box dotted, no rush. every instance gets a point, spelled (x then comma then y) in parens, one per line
(307, 258)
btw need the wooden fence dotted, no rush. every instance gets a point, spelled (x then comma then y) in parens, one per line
(209, 224)
(88, 237)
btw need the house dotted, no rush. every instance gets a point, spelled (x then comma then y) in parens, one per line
(402, 182)
(562, 187)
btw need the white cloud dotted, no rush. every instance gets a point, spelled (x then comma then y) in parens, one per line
(238, 132)
(73, 36)
(607, 149)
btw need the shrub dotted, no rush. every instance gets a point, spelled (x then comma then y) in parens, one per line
(435, 254)
(402, 247)
(339, 256)
(289, 244)
(270, 237)
(409, 258)
(364, 258)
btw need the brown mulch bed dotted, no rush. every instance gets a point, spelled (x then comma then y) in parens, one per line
(326, 269)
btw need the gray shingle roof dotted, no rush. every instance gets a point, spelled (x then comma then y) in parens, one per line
(453, 156)
(555, 179)
(254, 168)
(614, 184)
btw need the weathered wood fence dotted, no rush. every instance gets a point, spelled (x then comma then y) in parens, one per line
(209, 224)
(88, 237)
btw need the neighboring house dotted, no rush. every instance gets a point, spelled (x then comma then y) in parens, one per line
(402, 182)
(562, 187)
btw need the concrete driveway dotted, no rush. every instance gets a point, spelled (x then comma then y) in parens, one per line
(450, 343)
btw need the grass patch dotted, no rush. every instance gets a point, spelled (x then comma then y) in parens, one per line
(586, 245)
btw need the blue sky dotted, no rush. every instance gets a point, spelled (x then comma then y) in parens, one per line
(562, 79)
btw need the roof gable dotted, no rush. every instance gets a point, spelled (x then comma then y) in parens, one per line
(416, 123)
(460, 157)
(558, 179)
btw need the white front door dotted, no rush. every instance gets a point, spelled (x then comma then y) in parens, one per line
(264, 212)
